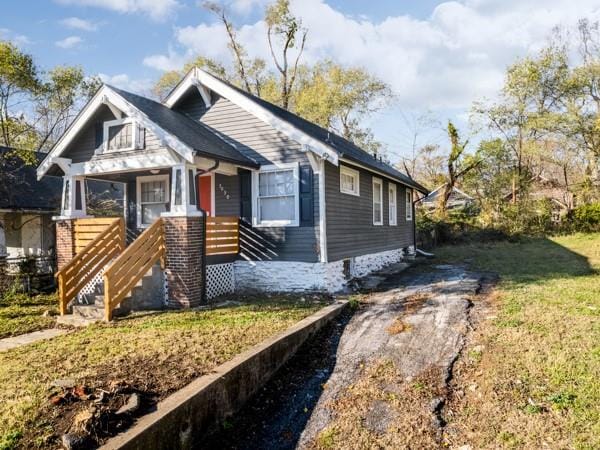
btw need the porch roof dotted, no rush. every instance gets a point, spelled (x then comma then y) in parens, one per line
(24, 192)
(195, 134)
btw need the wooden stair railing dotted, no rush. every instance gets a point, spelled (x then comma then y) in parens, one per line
(222, 235)
(130, 266)
(89, 261)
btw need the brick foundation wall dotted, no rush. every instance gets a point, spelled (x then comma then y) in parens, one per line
(184, 240)
(65, 242)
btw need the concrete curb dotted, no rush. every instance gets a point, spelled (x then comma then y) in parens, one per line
(188, 413)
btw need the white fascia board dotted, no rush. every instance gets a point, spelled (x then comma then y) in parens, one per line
(105, 95)
(198, 76)
(126, 164)
(381, 174)
(167, 138)
(183, 86)
(83, 117)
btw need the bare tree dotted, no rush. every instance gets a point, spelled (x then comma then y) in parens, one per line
(282, 24)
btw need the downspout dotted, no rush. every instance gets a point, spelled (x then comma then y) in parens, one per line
(203, 251)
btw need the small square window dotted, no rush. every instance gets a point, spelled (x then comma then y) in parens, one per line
(349, 181)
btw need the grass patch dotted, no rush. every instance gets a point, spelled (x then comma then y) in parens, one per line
(381, 409)
(20, 313)
(537, 383)
(153, 355)
(398, 326)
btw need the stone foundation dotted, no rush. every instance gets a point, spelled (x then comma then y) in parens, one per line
(289, 276)
(184, 239)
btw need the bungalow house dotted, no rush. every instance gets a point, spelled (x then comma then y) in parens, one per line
(227, 192)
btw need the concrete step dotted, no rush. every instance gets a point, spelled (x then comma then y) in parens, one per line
(88, 312)
(75, 321)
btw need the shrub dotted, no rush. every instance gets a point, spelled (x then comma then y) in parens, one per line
(586, 217)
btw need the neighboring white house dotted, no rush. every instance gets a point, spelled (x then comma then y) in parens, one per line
(26, 208)
(458, 199)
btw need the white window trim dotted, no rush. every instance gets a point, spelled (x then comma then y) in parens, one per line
(408, 201)
(276, 223)
(378, 181)
(392, 217)
(113, 123)
(138, 194)
(345, 170)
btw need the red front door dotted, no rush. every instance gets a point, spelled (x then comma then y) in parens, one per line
(205, 194)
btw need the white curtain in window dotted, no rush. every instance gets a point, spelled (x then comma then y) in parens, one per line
(377, 203)
(276, 192)
(153, 200)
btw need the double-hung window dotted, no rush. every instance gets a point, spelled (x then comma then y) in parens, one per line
(409, 204)
(349, 181)
(122, 134)
(393, 210)
(152, 198)
(276, 196)
(377, 201)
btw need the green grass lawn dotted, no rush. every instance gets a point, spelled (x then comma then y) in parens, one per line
(537, 382)
(21, 314)
(156, 353)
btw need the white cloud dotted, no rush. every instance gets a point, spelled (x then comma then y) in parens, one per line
(79, 24)
(456, 55)
(123, 81)
(69, 42)
(157, 9)
(164, 63)
(248, 6)
(17, 39)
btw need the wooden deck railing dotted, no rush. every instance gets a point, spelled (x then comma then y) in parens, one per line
(89, 260)
(222, 235)
(86, 230)
(131, 265)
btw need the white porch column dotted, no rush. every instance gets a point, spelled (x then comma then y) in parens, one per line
(183, 191)
(73, 197)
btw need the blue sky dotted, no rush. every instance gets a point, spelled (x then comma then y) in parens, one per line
(438, 56)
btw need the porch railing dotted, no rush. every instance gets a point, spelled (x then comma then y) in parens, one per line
(130, 266)
(86, 230)
(222, 235)
(88, 261)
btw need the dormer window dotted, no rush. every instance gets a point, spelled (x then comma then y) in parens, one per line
(122, 134)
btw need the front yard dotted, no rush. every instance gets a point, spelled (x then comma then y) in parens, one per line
(104, 364)
(20, 314)
(531, 375)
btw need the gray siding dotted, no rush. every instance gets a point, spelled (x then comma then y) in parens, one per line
(262, 143)
(227, 195)
(84, 145)
(350, 229)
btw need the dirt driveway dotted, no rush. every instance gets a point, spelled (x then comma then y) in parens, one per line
(378, 377)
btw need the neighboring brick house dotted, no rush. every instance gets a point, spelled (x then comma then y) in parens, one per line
(309, 209)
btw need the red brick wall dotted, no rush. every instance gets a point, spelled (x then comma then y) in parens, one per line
(65, 242)
(184, 238)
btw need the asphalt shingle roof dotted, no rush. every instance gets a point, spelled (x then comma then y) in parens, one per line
(343, 147)
(192, 133)
(21, 190)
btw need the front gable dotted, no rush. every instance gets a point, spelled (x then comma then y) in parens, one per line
(209, 87)
(86, 139)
